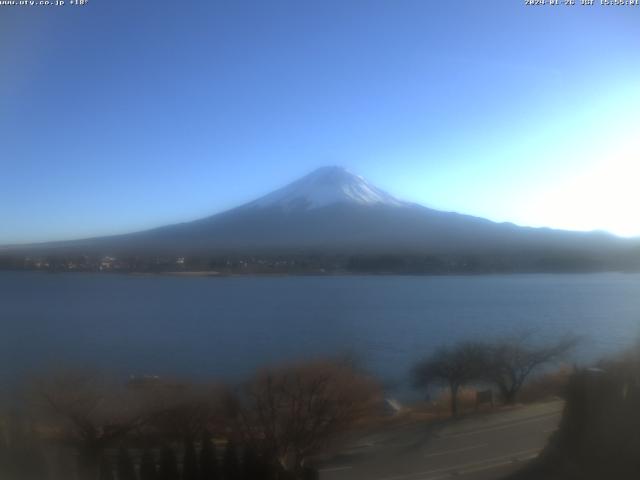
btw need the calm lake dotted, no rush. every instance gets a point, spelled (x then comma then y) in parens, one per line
(226, 327)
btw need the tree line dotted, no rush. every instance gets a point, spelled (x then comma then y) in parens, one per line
(153, 428)
(94, 427)
(504, 364)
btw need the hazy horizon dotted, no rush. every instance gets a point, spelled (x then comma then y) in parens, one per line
(245, 203)
(495, 110)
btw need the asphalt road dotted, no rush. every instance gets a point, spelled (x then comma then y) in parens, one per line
(478, 447)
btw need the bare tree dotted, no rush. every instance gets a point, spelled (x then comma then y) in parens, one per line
(509, 362)
(291, 412)
(90, 413)
(181, 410)
(452, 367)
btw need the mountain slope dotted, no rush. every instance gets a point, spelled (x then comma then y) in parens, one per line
(334, 211)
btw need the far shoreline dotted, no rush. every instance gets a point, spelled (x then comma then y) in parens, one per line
(217, 274)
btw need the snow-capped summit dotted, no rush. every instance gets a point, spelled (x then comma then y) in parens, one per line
(326, 186)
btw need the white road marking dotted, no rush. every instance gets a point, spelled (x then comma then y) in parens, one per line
(335, 469)
(499, 464)
(500, 427)
(362, 445)
(493, 462)
(472, 467)
(457, 450)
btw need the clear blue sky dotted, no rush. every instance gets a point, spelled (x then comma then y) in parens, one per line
(123, 115)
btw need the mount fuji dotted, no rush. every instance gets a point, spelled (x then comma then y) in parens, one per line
(333, 211)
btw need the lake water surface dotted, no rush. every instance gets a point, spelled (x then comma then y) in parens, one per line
(226, 327)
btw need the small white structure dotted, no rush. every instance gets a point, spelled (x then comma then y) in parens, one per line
(391, 406)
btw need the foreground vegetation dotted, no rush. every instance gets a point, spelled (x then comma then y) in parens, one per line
(87, 426)
(598, 435)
